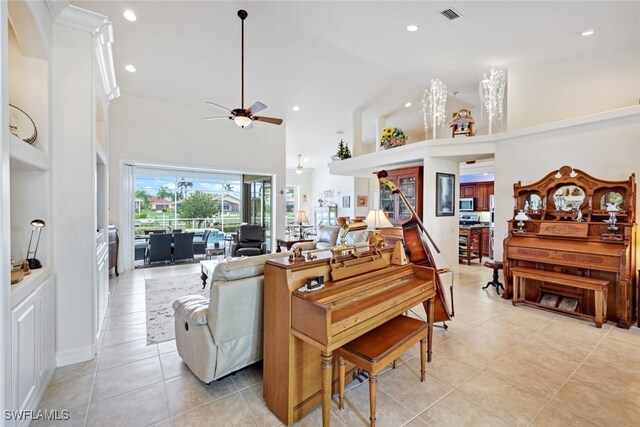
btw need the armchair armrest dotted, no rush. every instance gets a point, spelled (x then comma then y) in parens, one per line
(305, 246)
(263, 248)
(192, 308)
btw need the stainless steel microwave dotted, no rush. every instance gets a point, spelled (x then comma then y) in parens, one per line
(466, 204)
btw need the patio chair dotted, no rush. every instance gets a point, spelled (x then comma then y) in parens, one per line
(182, 246)
(159, 249)
(250, 241)
(200, 245)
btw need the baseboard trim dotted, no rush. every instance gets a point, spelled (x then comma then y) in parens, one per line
(75, 355)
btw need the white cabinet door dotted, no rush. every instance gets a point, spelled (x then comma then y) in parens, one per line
(47, 329)
(24, 361)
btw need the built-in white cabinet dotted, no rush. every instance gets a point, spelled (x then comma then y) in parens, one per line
(56, 66)
(32, 339)
(24, 360)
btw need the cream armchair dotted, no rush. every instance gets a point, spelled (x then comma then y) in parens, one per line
(219, 335)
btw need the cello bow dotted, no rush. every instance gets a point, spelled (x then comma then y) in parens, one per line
(418, 250)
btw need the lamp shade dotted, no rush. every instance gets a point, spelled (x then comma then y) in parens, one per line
(37, 223)
(301, 216)
(522, 216)
(377, 219)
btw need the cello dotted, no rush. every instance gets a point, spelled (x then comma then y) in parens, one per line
(418, 251)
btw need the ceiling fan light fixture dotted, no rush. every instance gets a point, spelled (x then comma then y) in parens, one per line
(242, 121)
(299, 168)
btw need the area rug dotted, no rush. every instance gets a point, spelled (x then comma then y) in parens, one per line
(160, 294)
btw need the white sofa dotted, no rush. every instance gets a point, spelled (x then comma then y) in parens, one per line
(219, 335)
(329, 237)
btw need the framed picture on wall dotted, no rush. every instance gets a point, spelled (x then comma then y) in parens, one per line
(362, 201)
(445, 194)
(346, 201)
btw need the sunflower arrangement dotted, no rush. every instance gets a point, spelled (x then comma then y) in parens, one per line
(392, 137)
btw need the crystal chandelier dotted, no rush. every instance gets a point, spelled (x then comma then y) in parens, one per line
(433, 106)
(492, 96)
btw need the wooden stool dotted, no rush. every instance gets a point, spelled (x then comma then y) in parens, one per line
(379, 347)
(495, 265)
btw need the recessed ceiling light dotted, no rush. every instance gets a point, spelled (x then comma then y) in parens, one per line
(306, 159)
(296, 108)
(129, 15)
(407, 105)
(588, 31)
(130, 68)
(412, 28)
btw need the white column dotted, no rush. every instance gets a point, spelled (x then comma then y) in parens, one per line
(357, 133)
(381, 123)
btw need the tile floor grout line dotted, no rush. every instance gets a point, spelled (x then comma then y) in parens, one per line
(555, 393)
(246, 403)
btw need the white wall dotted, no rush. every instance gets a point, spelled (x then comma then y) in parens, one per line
(556, 90)
(303, 182)
(73, 179)
(442, 229)
(606, 149)
(341, 185)
(143, 130)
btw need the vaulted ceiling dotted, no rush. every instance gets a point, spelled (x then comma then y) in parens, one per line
(331, 58)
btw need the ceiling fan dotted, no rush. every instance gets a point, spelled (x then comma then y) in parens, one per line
(244, 117)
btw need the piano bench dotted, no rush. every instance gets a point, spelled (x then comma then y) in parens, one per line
(379, 347)
(598, 286)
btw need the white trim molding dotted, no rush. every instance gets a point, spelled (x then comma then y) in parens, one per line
(75, 355)
(102, 30)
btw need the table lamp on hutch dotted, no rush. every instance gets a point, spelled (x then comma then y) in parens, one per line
(301, 216)
(521, 218)
(33, 261)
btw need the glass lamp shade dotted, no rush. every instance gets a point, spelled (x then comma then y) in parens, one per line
(521, 217)
(242, 121)
(377, 219)
(299, 169)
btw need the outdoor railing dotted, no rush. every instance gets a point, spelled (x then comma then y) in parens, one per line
(226, 225)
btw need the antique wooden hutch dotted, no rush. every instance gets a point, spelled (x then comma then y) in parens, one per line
(578, 228)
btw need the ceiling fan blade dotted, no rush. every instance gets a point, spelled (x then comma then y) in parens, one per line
(271, 120)
(218, 117)
(219, 106)
(257, 106)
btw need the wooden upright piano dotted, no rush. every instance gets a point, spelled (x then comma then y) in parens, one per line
(571, 230)
(303, 328)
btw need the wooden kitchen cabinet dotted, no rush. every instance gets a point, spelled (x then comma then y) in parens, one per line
(468, 190)
(483, 191)
(409, 181)
(480, 191)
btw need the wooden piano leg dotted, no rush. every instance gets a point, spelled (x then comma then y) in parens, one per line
(599, 305)
(430, 316)
(327, 370)
(516, 290)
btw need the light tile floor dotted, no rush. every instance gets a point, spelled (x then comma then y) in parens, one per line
(496, 365)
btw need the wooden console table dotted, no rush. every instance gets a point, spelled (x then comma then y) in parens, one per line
(303, 329)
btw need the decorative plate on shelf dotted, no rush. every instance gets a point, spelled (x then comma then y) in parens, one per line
(21, 125)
